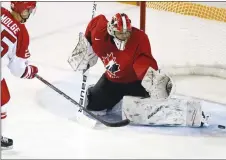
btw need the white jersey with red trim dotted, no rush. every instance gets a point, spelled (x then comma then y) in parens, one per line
(14, 44)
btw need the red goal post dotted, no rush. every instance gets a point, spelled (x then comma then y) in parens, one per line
(194, 19)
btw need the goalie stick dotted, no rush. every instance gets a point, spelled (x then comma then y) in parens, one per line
(106, 123)
(86, 71)
(80, 117)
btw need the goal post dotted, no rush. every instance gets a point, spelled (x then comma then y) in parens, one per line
(142, 15)
(194, 35)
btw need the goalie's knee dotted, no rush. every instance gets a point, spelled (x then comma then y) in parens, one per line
(88, 99)
(88, 95)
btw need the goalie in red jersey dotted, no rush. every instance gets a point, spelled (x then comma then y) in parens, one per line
(131, 69)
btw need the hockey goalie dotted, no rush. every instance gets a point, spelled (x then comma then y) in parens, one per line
(132, 76)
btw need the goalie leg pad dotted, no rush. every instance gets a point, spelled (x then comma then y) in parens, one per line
(174, 111)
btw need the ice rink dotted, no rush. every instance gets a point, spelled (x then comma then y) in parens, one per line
(41, 122)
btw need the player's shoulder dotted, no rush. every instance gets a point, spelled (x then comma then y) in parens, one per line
(4, 10)
(11, 24)
(100, 23)
(139, 34)
(101, 16)
(23, 28)
(5, 13)
(101, 19)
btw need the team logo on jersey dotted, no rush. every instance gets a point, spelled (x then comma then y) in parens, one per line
(111, 65)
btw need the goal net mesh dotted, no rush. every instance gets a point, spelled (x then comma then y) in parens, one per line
(188, 38)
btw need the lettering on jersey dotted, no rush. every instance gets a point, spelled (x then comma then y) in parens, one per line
(8, 22)
(82, 94)
(5, 45)
(111, 65)
(27, 53)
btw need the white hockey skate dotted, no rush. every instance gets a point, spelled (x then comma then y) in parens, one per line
(205, 119)
(6, 143)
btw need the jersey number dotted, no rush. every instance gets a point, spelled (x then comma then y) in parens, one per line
(4, 45)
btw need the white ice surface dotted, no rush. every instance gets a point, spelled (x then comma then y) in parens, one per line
(40, 132)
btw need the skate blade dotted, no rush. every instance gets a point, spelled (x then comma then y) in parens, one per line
(6, 148)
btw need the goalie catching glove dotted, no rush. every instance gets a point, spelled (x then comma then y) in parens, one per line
(83, 55)
(158, 84)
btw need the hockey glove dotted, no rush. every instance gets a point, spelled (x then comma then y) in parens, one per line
(30, 72)
(83, 55)
(158, 84)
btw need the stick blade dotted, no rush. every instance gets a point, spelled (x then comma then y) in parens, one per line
(118, 124)
(221, 126)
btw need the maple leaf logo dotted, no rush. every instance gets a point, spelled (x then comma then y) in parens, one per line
(110, 64)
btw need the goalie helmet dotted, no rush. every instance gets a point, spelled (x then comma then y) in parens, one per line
(24, 9)
(120, 28)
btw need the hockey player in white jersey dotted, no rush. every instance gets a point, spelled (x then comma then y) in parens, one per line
(14, 51)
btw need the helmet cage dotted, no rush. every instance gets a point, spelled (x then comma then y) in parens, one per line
(119, 23)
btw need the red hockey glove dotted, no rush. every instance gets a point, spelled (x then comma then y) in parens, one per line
(30, 72)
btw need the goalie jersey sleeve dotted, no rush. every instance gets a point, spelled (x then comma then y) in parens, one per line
(14, 42)
(94, 27)
(144, 58)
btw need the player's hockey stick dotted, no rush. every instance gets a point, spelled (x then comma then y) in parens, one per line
(106, 123)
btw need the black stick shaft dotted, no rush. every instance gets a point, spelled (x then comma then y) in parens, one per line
(109, 124)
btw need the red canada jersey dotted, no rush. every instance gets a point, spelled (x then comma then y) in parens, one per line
(124, 66)
(14, 43)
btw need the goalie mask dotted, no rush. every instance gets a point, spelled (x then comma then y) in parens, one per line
(24, 9)
(120, 28)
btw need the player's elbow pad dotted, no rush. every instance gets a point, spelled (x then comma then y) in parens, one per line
(17, 66)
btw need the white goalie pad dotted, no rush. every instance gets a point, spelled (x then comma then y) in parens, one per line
(83, 55)
(172, 112)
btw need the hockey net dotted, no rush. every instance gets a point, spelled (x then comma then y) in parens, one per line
(187, 38)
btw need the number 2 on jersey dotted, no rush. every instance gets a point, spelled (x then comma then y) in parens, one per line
(4, 45)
